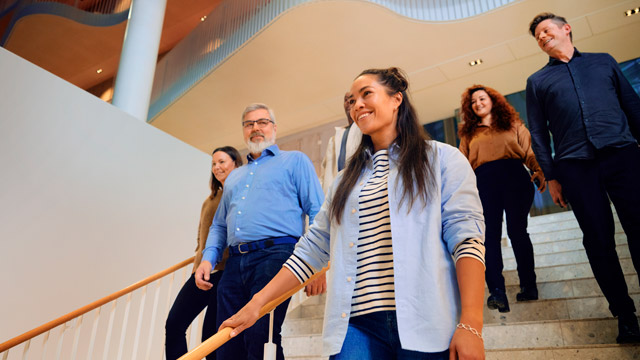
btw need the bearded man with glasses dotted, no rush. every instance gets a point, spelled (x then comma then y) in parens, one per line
(260, 218)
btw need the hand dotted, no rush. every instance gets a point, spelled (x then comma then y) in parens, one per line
(317, 286)
(243, 319)
(540, 176)
(466, 346)
(202, 275)
(555, 190)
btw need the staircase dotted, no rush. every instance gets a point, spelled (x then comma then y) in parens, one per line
(571, 319)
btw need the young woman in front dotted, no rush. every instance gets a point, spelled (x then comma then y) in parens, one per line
(403, 228)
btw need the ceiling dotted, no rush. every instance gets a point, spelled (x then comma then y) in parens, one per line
(305, 60)
(75, 52)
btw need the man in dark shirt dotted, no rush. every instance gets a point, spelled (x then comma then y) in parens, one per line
(593, 114)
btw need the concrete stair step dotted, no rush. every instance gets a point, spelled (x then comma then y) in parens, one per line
(302, 346)
(565, 272)
(557, 246)
(554, 309)
(550, 333)
(559, 235)
(550, 226)
(560, 217)
(563, 257)
(573, 288)
(551, 218)
(593, 352)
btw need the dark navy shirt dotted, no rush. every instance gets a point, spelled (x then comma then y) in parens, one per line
(587, 104)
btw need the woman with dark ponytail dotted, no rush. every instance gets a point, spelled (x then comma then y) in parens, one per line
(403, 228)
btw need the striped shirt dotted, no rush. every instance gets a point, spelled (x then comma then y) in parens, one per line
(374, 285)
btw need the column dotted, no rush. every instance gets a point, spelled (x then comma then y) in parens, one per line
(137, 67)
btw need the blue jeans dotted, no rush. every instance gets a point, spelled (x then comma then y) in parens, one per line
(375, 336)
(244, 276)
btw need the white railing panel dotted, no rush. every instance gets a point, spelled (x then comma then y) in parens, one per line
(154, 315)
(45, 342)
(92, 342)
(136, 340)
(76, 337)
(94, 331)
(25, 351)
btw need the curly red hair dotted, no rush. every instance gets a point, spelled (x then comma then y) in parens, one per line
(503, 114)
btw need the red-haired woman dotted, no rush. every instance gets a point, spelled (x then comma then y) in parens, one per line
(497, 144)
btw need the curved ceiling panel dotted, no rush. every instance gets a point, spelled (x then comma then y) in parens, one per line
(233, 23)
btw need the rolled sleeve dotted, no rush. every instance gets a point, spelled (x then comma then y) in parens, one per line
(313, 247)
(462, 216)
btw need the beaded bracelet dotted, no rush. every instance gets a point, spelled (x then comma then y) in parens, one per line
(473, 331)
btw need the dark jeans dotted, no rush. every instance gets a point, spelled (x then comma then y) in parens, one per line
(188, 304)
(375, 336)
(505, 186)
(588, 185)
(243, 277)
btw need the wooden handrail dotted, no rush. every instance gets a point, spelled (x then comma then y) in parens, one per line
(222, 336)
(85, 309)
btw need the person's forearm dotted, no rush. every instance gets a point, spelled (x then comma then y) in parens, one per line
(279, 285)
(470, 274)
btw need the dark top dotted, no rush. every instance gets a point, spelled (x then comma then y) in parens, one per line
(587, 104)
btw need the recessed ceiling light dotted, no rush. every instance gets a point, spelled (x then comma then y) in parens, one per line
(203, 18)
(475, 62)
(632, 11)
(99, 71)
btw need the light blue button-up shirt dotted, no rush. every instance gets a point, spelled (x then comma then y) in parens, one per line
(427, 296)
(268, 197)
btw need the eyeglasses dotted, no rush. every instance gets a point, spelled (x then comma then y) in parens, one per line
(260, 122)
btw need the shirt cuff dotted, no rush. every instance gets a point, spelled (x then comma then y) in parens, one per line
(472, 247)
(210, 255)
(299, 268)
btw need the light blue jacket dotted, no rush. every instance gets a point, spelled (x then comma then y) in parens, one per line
(426, 288)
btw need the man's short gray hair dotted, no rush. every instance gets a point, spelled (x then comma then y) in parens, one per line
(258, 106)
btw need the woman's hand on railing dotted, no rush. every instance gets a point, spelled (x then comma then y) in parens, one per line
(202, 275)
(243, 319)
(317, 286)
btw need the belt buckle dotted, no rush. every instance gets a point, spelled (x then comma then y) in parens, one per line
(240, 250)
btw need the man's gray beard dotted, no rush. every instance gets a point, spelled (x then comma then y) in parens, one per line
(255, 148)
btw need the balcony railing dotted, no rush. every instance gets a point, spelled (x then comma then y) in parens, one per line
(105, 328)
(91, 12)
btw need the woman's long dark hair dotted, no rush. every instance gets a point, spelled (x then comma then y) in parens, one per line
(504, 116)
(413, 162)
(234, 154)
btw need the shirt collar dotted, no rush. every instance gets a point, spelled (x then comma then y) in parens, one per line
(272, 150)
(394, 151)
(554, 61)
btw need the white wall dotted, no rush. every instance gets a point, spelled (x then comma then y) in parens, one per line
(91, 199)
